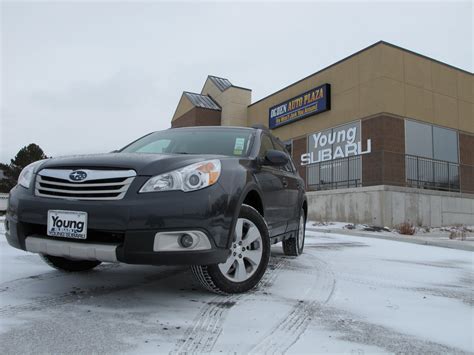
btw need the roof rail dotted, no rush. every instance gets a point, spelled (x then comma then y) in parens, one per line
(261, 126)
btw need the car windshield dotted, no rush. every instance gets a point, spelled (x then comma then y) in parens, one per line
(231, 142)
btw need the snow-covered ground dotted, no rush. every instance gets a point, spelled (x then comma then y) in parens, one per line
(442, 232)
(344, 294)
(456, 237)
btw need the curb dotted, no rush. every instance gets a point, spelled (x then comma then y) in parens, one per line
(414, 240)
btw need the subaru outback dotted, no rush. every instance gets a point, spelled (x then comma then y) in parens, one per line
(214, 198)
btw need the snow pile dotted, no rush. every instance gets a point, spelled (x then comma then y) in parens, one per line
(449, 232)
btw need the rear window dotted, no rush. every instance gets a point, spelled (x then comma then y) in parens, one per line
(230, 142)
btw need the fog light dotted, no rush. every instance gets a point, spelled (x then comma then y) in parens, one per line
(186, 241)
(182, 241)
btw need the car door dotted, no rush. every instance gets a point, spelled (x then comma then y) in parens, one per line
(292, 185)
(271, 181)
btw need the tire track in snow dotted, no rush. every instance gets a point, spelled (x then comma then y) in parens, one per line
(285, 334)
(12, 285)
(208, 324)
(38, 304)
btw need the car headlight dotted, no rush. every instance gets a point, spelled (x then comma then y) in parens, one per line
(190, 178)
(27, 173)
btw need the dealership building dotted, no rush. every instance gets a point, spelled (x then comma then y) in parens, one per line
(383, 136)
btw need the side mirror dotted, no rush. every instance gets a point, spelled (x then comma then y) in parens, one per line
(275, 158)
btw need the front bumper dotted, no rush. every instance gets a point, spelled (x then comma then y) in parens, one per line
(129, 226)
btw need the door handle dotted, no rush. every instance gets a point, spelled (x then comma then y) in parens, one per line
(285, 182)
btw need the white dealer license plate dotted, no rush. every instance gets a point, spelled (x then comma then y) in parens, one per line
(67, 224)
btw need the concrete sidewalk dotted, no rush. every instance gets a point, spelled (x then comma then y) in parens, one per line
(438, 240)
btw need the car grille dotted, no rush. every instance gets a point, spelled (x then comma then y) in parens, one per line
(97, 185)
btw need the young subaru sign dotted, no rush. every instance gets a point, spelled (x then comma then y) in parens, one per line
(335, 143)
(309, 103)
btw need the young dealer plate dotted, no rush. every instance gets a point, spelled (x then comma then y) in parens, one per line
(67, 224)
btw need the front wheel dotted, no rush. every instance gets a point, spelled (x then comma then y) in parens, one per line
(69, 265)
(294, 246)
(247, 260)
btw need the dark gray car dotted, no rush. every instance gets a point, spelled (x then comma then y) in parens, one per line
(214, 198)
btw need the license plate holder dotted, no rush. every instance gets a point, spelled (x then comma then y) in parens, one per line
(67, 224)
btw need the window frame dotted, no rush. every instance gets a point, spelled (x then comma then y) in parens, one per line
(432, 127)
(277, 143)
(264, 134)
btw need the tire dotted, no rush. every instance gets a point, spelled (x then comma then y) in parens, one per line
(248, 257)
(69, 265)
(294, 246)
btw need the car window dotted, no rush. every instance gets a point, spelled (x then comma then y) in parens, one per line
(158, 146)
(265, 145)
(288, 167)
(231, 142)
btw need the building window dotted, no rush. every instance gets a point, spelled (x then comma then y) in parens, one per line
(418, 139)
(445, 144)
(432, 156)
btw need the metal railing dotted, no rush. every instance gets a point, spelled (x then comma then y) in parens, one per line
(431, 174)
(335, 174)
(420, 172)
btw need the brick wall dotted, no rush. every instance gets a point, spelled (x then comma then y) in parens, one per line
(466, 159)
(386, 163)
(299, 147)
(198, 117)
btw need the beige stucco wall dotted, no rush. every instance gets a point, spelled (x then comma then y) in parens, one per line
(212, 90)
(184, 105)
(381, 79)
(234, 102)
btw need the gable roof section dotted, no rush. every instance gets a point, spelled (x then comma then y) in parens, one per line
(203, 101)
(222, 83)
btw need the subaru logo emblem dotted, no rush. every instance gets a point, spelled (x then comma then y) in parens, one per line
(78, 175)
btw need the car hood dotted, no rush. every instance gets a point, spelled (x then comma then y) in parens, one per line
(143, 164)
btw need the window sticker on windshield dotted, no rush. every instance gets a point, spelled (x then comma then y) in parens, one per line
(239, 146)
(239, 143)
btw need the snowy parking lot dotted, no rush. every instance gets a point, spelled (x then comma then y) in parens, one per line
(344, 294)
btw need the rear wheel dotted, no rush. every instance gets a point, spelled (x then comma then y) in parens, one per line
(69, 265)
(247, 260)
(294, 246)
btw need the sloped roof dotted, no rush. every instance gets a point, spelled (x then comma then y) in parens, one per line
(203, 101)
(221, 83)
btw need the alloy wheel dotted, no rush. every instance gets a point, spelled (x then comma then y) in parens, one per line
(245, 252)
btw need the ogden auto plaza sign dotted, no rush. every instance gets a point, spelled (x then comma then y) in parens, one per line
(331, 144)
(307, 104)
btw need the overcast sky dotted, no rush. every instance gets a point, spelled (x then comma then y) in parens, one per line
(92, 76)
